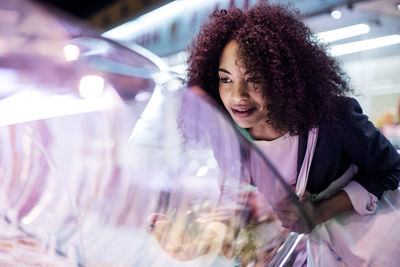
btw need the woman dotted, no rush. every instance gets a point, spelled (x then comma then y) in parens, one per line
(267, 69)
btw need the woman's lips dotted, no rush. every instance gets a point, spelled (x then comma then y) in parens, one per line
(242, 111)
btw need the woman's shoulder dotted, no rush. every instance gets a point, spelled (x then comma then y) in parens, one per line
(352, 112)
(352, 122)
(347, 104)
(345, 109)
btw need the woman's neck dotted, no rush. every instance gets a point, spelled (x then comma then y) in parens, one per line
(265, 133)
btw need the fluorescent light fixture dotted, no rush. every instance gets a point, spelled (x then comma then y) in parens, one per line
(336, 14)
(354, 47)
(343, 33)
(31, 105)
(153, 18)
(143, 22)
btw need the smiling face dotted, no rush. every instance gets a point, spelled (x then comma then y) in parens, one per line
(241, 95)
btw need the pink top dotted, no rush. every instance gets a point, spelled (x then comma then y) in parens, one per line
(283, 153)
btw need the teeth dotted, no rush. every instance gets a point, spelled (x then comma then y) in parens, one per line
(243, 110)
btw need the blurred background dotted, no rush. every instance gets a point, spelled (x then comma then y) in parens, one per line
(363, 35)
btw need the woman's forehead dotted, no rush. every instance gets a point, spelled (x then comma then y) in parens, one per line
(230, 58)
(229, 53)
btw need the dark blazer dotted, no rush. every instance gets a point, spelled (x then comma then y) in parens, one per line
(356, 141)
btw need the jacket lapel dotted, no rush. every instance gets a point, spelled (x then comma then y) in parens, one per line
(303, 136)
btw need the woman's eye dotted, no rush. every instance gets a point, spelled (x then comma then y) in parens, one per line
(224, 80)
(252, 80)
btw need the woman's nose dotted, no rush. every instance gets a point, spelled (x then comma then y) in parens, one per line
(240, 91)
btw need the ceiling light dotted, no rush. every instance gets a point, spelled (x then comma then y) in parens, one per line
(336, 14)
(202, 171)
(154, 18)
(343, 49)
(143, 22)
(71, 52)
(91, 86)
(342, 33)
(142, 96)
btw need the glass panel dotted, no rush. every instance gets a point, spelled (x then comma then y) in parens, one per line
(102, 152)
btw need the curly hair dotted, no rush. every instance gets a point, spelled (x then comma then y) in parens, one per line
(301, 84)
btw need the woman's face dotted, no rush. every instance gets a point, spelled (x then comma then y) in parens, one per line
(239, 91)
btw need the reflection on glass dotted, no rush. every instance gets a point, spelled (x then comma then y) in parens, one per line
(91, 86)
(71, 52)
(123, 166)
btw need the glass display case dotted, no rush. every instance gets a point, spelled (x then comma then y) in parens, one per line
(97, 139)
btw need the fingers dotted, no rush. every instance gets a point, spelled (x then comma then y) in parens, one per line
(305, 196)
(159, 227)
(288, 214)
(284, 207)
(288, 221)
(293, 221)
(169, 236)
(161, 231)
(154, 217)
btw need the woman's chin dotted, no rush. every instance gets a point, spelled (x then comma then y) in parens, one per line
(243, 124)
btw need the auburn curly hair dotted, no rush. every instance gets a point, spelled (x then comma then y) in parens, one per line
(301, 83)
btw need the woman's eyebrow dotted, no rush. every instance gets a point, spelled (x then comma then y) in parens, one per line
(224, 70)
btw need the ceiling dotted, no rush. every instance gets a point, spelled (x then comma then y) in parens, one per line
(79, 8)
(87, 9)
(105, 14)
(387, 7)
(383, 16)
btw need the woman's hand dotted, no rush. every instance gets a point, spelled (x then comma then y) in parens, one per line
(292, 219)
(259, 208)
(291, 216)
